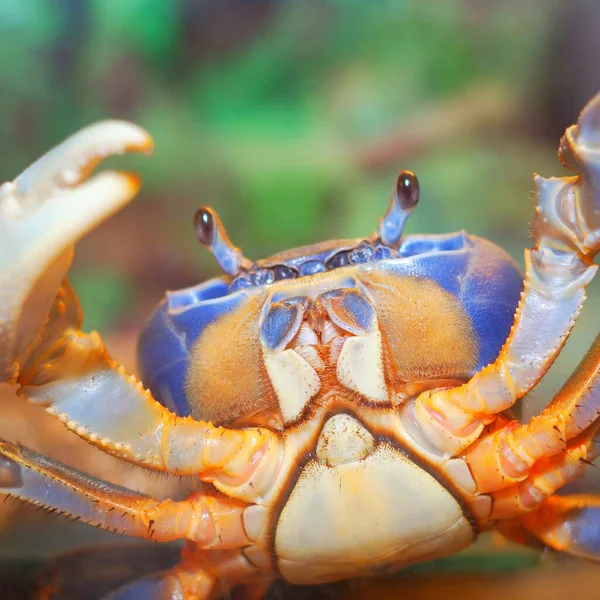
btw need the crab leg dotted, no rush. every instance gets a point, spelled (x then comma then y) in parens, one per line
(73, 376)
(178, 583)
(566, 233)
(102, 569)
(76, 379)
(200, 576)
(569, 524)
(546, 477)
(208, 521)
(43, 213)
(508, 455)
(523, 465)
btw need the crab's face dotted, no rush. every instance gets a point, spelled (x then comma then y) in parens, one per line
(364, 320)
(324, 343)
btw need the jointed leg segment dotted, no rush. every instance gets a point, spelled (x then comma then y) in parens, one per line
(43, 212)
(194, 579)
(72, 374)
(567, 524)
(508, 455)
(566, 231)
(522, 466)
(176, 584)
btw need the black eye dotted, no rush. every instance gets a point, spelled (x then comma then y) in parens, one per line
(338, 260)
(204, 226)
(283, 272)
(407, 190)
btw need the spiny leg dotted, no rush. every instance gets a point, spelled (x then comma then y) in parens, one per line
(521, 466)
(42, 214)
(72, 374)
(207, 520)
(196, 577)
(546, 477)
(146, 572)
(529, 513)
(566, 233)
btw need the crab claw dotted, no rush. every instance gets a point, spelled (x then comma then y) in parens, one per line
(43, 212)
(580, 151)
(567, 218)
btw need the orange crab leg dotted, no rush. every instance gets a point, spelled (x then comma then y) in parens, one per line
(566, 232)
(208, 521)
(42, 214)
(200, 576)
(74, 377)
(569, 524)
(506, 456)
(97, 400)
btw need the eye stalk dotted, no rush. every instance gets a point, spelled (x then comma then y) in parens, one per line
(212, 235)
(405, 197)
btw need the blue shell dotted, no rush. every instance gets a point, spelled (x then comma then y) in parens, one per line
(481, 275)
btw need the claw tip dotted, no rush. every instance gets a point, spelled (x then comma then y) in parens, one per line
(134, 181)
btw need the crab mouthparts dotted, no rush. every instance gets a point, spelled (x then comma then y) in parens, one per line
(303, 338)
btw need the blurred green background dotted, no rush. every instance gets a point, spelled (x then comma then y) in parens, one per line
(292, 119)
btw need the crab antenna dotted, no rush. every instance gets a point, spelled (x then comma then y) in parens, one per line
(212, 235)
(405, 197)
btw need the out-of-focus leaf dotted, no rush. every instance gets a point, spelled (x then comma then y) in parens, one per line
(104, 294)
(148, 26)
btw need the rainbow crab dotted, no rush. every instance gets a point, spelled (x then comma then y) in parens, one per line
(345, 404)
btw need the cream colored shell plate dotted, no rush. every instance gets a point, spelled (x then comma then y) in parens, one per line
(358, 517)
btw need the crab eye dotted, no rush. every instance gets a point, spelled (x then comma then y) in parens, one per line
(405, 197)
(407, 190)
(204, 226)
(284, 272)
(212, 235)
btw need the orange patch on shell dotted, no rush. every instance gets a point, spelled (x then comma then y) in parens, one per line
(227, 379)
(426, 332)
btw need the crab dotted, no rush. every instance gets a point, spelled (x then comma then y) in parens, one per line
(346, 405)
